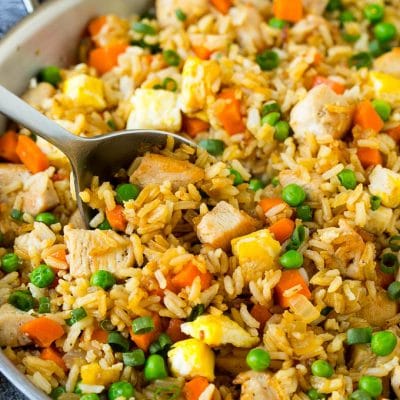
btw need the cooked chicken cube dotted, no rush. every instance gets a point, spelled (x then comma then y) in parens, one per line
(39, 194)
(385, 183)
(389, 63)
(76, 220)
(155, 109)
(38, 95)
(158, 169)
(223, 223)
(193, 9)
(322, 112)
(316, 7)
(11, 320)
(89, 251)
(258, 385)
(12, 178)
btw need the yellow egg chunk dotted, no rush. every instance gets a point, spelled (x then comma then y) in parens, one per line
(385, 184)
(190, 358)
(216, 330)
(200, 81)
(85, 91)
(93, 374)
(385, 86)
(256, 253)
(155, 109)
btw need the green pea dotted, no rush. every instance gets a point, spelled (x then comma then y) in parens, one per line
(275, 181)
(103, 279)
(375, 202)
(47, 218)
(180, 15)
(371, 384)
(277, 23)
(171, 57)
(267, 60)
(359, 335)
(16, 214)
(121, 390)
(271, 106)
(346, 16)
(360, 60)
(377, 48)
(213, 146)
(393, 291)
(374, 12)
(385, 31)
(155, 368)
(271, 118)
(347, 178)
(350, 38)
(326, 310)
(105, 225)
(322, 368)
(258, 359)
(313, 394)
(126, 192)
(90, 396)
(383, 108)
(42, 276)
(57, 392)
(304, 212)
(10, 262)
(146, 29)
(255, 184)
(293, 194)
(237, 178)
(282, 131)
(22, 300)
(292, 259)
(383, 343)
(334, 5)
(360, 395)
(50, 74)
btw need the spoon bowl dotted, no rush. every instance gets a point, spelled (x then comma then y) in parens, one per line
(101, 156)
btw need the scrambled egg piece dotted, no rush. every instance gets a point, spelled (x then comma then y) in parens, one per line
(200, 81)
(256, 253)
(215, 330)
(385, 86)
(155, 109)
(85, 91)
(385, 183)
(190, 358)
(93, 374)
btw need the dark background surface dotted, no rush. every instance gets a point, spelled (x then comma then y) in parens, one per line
(11, 11)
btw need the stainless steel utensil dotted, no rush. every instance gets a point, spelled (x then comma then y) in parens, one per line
(100, 156)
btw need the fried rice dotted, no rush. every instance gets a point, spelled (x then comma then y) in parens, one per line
(279, 232)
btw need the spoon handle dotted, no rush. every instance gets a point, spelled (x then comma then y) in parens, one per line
(18, 110)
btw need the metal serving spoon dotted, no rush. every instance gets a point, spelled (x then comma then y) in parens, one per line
(100, 156)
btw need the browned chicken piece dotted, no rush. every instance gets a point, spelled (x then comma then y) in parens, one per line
(223, 223)
(12, 178)
(193, 9)
(259, 385)
(38, 95)
(389, 63)
(377, 310)
(322, 113)
(39, 194)
(89, 251)
(157, 169)
(316, 7)
(11, 320)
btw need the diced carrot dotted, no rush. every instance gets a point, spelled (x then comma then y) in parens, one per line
(100, 335)
(96, 24)
(202, 52)
(290, 279)
(368, 156)
(335, 86)
(228, 112)
(194, 126)
(289, 10)
(187, 275)
(318, 58)
(261, 314)
(194, 388)
(8, 146)
(43, 331)
(116, 218)
(144, 340)
(394, 133)
(60, 255)
(103, 59)
(222, 6)
(267, 204)
(170, 286)
(282, 229)
(50, 354)
(174, 330)
(366, 116)
(31, 155)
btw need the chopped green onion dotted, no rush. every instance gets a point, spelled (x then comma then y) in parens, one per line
(146, 29)
(57, 392)
(171, 57)
(275, 181)
(267, 60)
(393, 290)
(271, 106)
(44, 305)
(154, 48)
(359, 335)
(326, 310)
(346, 16)
(180, 15)
(334, 5)
(394, 243)
(111, 124)
(50, 74)
(105, 225)
(271, 118)
(389, 264)
(383, 108)
(16, 214)
(142, 325)
(297, 239)
(106, 325)
(255, 184)
(155, 348)
(304, 212)
(170, 84)
(76, 315)
(47, 218)
(237, 178)
(376, 48)
(360, 60)
(197, 310)
(171, 392)
(375, 202)
(118, 342)
(134, 358)
(277, 23)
